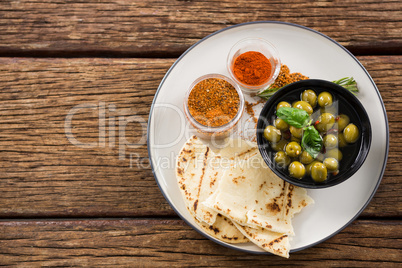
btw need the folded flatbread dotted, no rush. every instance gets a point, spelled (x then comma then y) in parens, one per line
(224, 230)
(233, 196)
(250, 194)
(275, 243)
(200, 166)
(278, 243)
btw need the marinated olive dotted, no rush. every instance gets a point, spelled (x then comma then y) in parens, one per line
(297, 170)
(331, 164)
(306, 158)
(341, 140)
(281, 125)
(330, 141)
(293, 149)
(272, 134)
(309, 166)
(279, 146)
(334, 153)
(283, 104)
(335, 132)
(296, 132)
(303, 105)
(325, 122)
(310, 97)
(325, 99)
(282, 159)
(351, 133)
(319, 172)
(342, 121)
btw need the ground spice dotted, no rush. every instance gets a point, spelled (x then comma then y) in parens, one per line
(250, 110)
(285, 77)
(213, 102)
(252, 68)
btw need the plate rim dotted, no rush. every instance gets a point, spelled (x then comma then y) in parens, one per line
(292, 25)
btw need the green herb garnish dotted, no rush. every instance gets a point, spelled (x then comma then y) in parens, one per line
(294, 117)
(311, 141)
(349, 83)
(267, 93)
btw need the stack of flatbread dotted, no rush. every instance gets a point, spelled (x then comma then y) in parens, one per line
(235, 197)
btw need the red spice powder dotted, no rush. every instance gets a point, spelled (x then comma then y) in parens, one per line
(252, 68)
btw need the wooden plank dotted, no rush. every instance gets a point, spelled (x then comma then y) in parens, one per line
(157, 27)
(43, 174)
(155, 243)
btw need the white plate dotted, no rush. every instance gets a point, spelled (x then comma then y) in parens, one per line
(302, 50)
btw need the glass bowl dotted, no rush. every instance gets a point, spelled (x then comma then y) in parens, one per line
(258, 45)
(214, 132)
(345, 102)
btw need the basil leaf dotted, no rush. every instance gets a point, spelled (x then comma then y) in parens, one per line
(311, 141)
(294, 117)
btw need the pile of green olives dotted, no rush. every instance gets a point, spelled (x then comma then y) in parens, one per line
(335, 129)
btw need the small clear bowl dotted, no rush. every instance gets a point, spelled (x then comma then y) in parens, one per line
(208, 132)
(258, 45)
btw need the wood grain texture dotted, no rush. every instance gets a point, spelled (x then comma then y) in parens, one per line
(43, 174)
(156, 243)
(158, 27)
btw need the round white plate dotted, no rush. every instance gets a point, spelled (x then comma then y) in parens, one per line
(302, 50)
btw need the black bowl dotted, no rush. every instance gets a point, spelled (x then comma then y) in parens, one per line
(354, 154)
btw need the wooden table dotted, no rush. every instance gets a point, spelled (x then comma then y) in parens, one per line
(68, 205)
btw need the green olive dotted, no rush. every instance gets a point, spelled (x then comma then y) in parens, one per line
(330, 141)
(325, 122)
(279, 146)
(341, 140)
(309, 166)
(303, 105)
(281, 124)
(342, 121)
(306, 158)
(272, 134)
(325, 99)
(282, 159)
(297, 170)
(293, 149)
(351, 133)
(319, 172)
(310, 97)
(331, 164)
(334, 153)
(296, 132)
(283, 104)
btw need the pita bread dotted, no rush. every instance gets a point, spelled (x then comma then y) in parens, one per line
(200, 166)
(197, 178)
(234, 197)
(275, 243)
(198, 170)
(250, 194)
(224, 230)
